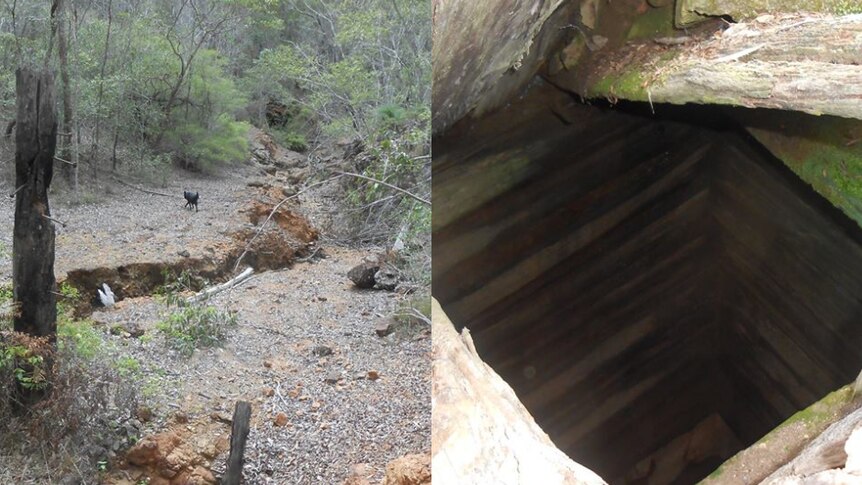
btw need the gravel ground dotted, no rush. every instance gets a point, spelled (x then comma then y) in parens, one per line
(269, 359)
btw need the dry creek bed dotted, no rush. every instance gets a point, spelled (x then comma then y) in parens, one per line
(331, 400)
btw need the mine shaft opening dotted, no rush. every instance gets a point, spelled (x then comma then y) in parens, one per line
(659, 290)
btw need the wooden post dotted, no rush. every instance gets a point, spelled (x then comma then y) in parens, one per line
(238, 436)
(33, 283)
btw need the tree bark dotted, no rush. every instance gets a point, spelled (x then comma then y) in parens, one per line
(33, 282)
(238, 435)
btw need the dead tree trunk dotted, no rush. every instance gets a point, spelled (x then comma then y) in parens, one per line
(33, 282)
(69, 170)
(238, 435)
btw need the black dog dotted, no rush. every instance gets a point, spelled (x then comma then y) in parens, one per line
(191, 199)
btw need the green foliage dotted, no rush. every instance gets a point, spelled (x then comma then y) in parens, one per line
(79, 337)
(205, 149)
(193, 326)
(27, 368)
(170, 293)
(846, 7)
(128, 366)
(292, 140)
(76, 336)
(5, 293)
(190, 326)
(69, 297)
(391, 116)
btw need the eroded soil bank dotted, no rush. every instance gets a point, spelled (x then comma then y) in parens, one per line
(331, 399)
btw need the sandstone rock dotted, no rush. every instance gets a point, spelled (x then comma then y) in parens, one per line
(280, 419)
(409, 470)
(362, 275)
(268, 391)
(222, 444)
(386, 278)
(386, 326)
(261, 155)
(297, 175)
(289, 160)
(332, 377)
(210, 451)
(145, 452)
(201, 476)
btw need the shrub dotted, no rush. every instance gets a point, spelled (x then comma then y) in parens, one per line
(193, 326)
(205, 149)
(292, 140)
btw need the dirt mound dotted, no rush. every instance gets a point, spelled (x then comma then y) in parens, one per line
(272, 249)
(288, 220)
(177, 456)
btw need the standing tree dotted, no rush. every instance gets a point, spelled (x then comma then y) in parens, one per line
(33, 282)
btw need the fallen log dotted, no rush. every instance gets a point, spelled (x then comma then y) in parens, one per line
(480, 431)
(207, 293)
(238, 435)
(807, 62)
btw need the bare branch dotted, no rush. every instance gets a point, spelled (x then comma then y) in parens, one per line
(54, 220)
(399, 189)
(17, 190)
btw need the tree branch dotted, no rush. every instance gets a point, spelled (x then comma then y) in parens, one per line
(399, 189)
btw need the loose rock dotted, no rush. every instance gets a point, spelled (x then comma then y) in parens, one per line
(386, 279)
(322, 351)
(280, 419)
(409, 470)
(385, 326)
(362, 275)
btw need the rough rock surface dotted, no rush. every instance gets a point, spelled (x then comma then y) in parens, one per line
(409, 470)
(481, 433)
(362, 275)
